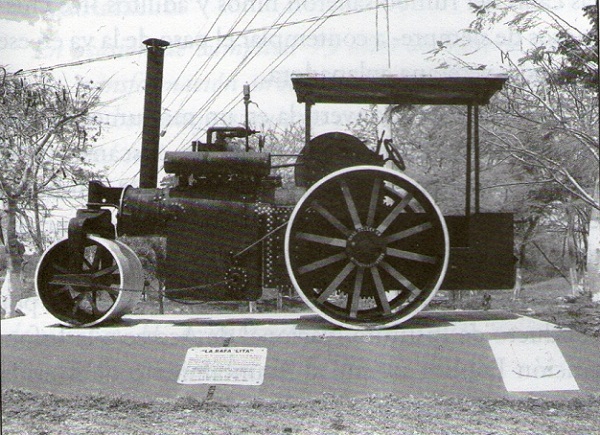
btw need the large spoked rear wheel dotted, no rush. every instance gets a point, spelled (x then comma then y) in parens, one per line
(103, 286)
(366, 247)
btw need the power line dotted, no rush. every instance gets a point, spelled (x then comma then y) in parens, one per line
(273, 65)
(205, 39)
(324, 17)
(173, 85)
(219, 60)
(234, 73)
(208, 60)
(292, 23)
(277, 27)
(82, 62)
(205, 64)
(314, 26)
(196, 51)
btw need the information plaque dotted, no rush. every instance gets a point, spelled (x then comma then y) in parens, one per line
(532, 364)
(224, 365)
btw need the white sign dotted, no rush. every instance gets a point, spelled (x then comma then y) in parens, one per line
(532, 364)
(224, 365)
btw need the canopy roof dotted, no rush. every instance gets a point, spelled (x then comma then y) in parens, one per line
(475, 90)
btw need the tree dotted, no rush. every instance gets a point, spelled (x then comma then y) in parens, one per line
(546, 118)
(45, 129)
(284, 141)
(368, 126)
(431, 141)
(579, 63)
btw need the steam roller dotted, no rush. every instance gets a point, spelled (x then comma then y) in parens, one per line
(363, 244)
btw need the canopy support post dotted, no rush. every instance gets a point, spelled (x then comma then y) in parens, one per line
(477, 158)
(307, 122)
(469, 161)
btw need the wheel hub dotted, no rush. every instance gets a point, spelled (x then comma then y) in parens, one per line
(365, 247)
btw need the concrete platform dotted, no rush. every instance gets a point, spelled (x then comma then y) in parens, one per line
(449, 353)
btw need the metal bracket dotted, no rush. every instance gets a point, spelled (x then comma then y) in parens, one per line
(88, 221)
(100, 195)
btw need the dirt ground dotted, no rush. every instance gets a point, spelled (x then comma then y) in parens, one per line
(25, 413)
(551, 301)
(44, 414)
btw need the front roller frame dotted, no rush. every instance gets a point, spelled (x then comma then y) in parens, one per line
(102, 285)
(366, 247)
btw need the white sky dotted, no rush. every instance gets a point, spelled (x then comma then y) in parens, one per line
(44, 33)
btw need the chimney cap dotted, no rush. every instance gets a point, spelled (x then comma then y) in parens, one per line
(155, 42)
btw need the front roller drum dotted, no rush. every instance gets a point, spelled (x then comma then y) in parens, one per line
(103, 285)
(366, 247)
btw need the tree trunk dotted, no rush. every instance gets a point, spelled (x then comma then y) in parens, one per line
(38, 238)
(518, 281)
(592, 281)
(532, 222)
(12, 289)
(457, 299)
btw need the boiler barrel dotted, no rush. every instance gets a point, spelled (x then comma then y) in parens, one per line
(145, 212)
(211, 162)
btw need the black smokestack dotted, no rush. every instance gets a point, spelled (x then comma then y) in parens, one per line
(152, 106)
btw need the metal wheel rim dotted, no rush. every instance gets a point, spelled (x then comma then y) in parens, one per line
(124, 294)
(367, 318)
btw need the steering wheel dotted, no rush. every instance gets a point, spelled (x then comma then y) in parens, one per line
(393, 155)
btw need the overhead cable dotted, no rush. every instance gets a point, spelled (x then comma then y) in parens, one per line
(204, 39)
(244, 62)
(139, 135)
(315, 25)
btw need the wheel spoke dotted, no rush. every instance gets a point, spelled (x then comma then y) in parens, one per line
(96, 262)
(373, 203)
(395, 212)
(411, 256)
(94, 303)
(107, 282)
(335, 283)
(115, 279)
(322, 263)
(380, 296)
(407, 233)
(400, 278)
(395, 194)
(60, 268)
(350, 204)
(330, 218)
(72, 279)
(88, 264)
(354, 299)
(331, 241)
(76, 303)
(105, 271)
